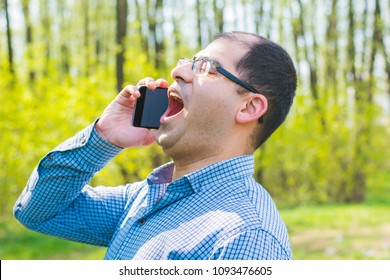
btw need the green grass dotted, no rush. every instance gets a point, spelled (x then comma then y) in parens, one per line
(339, 232)
(316, 232)
(322, 232)
(343, 231)
(18, 243)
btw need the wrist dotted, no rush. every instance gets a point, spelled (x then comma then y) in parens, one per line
(102, 133)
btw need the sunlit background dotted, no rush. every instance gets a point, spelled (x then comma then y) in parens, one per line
(327, 167)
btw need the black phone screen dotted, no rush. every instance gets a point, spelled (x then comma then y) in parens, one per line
(150, 107)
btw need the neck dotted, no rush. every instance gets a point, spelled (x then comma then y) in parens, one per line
(187, 161)
(184, 167)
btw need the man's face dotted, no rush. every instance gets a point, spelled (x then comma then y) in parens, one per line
(201, 114)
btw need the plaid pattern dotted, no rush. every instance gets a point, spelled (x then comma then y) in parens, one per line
(218, 212)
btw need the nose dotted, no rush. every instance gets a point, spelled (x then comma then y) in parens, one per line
(182, 72)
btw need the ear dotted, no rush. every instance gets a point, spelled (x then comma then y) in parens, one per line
(252, 107)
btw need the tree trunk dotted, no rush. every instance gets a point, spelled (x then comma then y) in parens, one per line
(387, 69)
(121, 24)
(64, 67)
(218, 15)
(376, 41)
(331, 53)
(199, 23)
(351, 44)
(87, 53)
(159, 46)
(46, 37)
(29, 40)
(151, 35)
(176, 28)
(144, 38)
(258, 15)
(311, 61)
(9, 39)
(364, 104)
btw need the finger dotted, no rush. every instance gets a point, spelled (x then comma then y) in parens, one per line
(150, 138)
(162, 83)
(148, 82)
(130, 91)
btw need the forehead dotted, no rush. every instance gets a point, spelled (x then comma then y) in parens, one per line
(225, 52)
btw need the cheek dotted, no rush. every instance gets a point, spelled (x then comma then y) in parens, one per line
(212, 105)
(210, 115)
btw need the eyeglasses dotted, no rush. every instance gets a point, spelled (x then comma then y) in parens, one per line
(202, 67)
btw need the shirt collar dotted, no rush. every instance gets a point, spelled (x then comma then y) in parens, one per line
(162, 174)
(217, 173)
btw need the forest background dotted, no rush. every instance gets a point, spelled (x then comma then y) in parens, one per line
(327, 167)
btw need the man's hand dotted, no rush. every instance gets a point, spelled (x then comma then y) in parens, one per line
(115, 125)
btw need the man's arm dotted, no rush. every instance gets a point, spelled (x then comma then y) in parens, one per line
(57, 199)
(254, 244)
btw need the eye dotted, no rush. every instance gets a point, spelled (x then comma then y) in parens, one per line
(213, 70)
(203, 67)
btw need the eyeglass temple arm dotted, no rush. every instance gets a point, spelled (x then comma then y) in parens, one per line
(233, 78)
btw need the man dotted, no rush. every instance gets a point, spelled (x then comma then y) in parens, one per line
(223, 104)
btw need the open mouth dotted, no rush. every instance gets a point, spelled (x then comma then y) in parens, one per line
(175, 105)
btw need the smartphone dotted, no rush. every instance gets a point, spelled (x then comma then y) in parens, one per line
(149, 107)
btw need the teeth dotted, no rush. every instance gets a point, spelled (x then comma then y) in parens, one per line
(174, 95)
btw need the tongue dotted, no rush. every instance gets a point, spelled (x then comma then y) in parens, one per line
(174, 107)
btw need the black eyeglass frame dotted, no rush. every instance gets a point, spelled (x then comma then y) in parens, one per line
(221, 70)
(226, 73)
(233, 78)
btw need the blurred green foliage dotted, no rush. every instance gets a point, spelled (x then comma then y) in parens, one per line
(302, 163)
(332, 149)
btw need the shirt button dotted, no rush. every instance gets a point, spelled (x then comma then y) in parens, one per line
(142, 221)
(83, 140)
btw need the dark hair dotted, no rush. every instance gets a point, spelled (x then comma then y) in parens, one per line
(269, 69)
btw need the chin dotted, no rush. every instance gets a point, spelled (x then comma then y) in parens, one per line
(162, 138)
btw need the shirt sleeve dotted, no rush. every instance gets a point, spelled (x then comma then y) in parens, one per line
(255, 244)
(58, 200)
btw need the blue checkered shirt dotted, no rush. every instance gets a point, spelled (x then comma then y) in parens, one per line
(218, 212)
